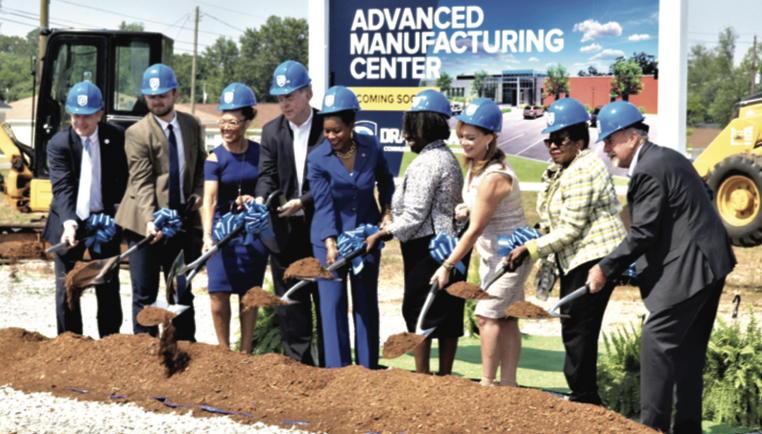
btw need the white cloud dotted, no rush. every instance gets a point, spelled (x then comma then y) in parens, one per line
(593, 29)
(637, 38)
(608, 54)
(592, 48)
(550, 64)
(534, 59)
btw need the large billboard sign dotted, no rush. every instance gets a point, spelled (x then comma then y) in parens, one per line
(509, 51)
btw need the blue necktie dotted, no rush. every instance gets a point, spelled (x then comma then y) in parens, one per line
(174, 171)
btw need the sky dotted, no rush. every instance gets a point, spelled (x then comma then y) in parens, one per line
(706, 18)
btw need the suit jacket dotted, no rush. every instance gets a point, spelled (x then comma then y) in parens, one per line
(343, 202)
(677, 237)
(277, 171)
(65, 160)
(147, 152)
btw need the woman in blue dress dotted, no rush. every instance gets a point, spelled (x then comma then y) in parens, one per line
(343, 172)
(230, 175)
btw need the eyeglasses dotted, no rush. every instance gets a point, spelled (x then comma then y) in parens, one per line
(558, 141)
(233, 123)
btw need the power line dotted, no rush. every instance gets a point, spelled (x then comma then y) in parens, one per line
(238, 11)
(223, 22)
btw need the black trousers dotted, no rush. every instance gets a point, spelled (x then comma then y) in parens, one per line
(296, 319)
(672, 357)
(580, 334)
(146, 264)
(109, 304)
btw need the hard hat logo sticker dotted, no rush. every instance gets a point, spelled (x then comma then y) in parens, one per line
(228, 97)
(599, 129)
(471, 109)
(82, 100)
(281, 80)
(418, 101)
(329, 100)
(154, 83)
(551, 118)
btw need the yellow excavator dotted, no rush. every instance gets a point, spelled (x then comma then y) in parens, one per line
(732, 166)
(115, 62)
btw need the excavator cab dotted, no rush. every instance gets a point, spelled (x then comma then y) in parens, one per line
(115, 62)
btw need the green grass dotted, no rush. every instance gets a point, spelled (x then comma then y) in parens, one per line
(527, 170)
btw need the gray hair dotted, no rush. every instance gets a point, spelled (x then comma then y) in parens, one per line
(642, 134)
(306, 89)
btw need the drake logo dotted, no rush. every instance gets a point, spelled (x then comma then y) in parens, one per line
(366, 127)
(471, 109)
(329, 100)
(82, 100)
(281, 80)
(154, 83)
(228, 97)
(418, 101)
(551, 118)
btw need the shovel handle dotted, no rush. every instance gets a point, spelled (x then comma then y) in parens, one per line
(59, 246)
(574, 295)
(426, 305)
(500, 273)
(333, 267)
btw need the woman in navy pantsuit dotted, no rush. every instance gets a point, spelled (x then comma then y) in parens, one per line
(343, 173)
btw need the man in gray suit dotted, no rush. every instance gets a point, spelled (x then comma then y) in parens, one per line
(683, 254)
(166, 154)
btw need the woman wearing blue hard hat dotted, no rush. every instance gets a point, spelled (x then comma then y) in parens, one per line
(581, 209)
(493, 199)
(344, 172)
(422, 207)
(230, 175)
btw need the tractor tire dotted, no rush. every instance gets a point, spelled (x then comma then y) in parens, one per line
(737, 185)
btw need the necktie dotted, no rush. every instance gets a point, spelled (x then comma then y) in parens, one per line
(174, 171)
(85, 182)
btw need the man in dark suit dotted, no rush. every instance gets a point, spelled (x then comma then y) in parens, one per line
(88, 173)
(286, 141)
(683, 255)
(166, 154)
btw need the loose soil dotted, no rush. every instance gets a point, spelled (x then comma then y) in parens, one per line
(152, 316)
(399, 344)
(171, 356)
(23, 250)
(307, 268)
(258, 297)
(469, 291)
(275, 389)
(75, 282)
(525, 309)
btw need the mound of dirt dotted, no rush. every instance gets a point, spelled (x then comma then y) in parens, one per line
(307, 268)
(258, 297)
(468, 291)
(172, 357)
(525, 309)
(22, 250)
(275, 389)
(399, 344)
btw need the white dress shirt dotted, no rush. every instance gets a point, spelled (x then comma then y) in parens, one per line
(634, 161)
(92, 164)
(301, 143)
(180, 147)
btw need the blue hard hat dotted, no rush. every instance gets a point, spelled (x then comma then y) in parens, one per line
(616, 116)
(565, 113)
(337, 99)
(483, 112)
(158, 79)
(84, 99)
(288, 77)
(235, 96)
(430, 100)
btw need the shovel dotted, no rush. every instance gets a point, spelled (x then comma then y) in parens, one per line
(552, 313)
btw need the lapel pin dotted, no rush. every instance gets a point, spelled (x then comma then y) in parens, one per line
(363, 155)
(106, 141)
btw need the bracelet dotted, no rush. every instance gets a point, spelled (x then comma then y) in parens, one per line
(330, 242)
(448, 265)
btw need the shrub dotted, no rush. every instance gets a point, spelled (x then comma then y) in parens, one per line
(588, 108)
(619, 370)
(505, 110)
(470, 325)
(642, 110)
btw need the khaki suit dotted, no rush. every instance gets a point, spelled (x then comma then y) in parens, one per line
(148, 157)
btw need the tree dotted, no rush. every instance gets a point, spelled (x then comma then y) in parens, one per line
(132, 27)
(262, 50)
(444, 82)
(627, 79)
(648, 63)
(696, 112)
(15, 65)
(592, 71)
(557, 82)
(223, 58)
(477, 86)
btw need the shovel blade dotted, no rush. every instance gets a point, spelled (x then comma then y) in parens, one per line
(177, 282)
(401, 343)
(104, 267)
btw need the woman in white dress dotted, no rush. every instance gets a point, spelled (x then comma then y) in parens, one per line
(492, 197)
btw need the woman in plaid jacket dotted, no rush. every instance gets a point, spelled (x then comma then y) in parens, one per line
(583, 217)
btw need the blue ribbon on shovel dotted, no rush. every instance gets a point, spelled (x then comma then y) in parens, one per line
(352, 240)
(256, 219)
(519, 237)
(442, 246)
(168, 222)
(103, 229)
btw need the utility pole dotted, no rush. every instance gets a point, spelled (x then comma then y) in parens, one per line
(193, 70)
(753, 64)
(43, 38)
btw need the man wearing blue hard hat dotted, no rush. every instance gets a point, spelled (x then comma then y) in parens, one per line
(286, 141)
(88, 174)
(683, 255)
(166, 154)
